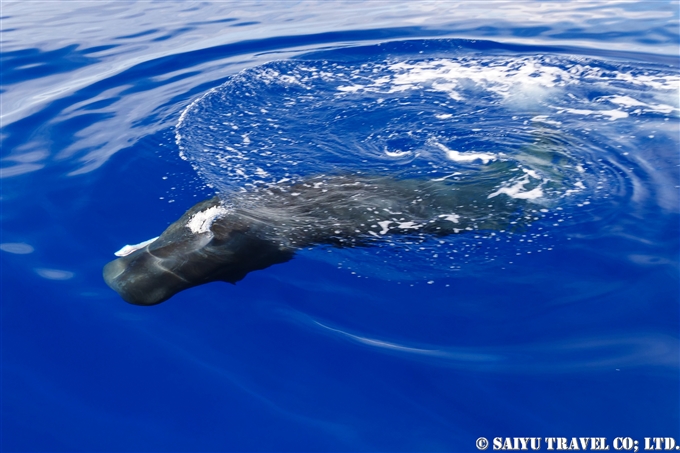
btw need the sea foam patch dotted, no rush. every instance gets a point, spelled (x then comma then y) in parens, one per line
(469, 156)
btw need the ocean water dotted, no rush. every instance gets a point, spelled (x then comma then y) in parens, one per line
(550, 308)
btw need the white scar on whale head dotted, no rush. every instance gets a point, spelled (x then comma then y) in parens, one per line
(126, 250)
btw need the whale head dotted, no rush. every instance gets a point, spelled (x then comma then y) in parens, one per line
(203, 246)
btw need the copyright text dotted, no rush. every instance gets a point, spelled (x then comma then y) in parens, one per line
(578, 443)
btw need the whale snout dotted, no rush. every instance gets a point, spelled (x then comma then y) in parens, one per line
(180, 259)
(140, 282)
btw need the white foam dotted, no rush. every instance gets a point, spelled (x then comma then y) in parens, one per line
(397, 153)
(544, 119)
(450, 217)
(530, 77)
(290, 79)
(409, 225)
(628, 101)
(517, 190)
(502, 78)
(447, 176)
(261, 173)
(666, 82)
(457, 156)
(126, 250)
(202, 221)
(351, 89)
(385, 226)
(624, 100)
(614, 114)
(531, 173)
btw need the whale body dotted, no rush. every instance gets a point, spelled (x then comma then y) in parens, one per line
(218, 241)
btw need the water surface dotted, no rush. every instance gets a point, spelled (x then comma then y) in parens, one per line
(559, 117)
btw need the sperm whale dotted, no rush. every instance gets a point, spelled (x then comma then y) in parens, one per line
(222, 241)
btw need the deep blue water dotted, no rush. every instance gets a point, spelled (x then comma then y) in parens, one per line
(117, 117)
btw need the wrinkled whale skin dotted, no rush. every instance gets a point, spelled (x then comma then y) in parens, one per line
(269, 225)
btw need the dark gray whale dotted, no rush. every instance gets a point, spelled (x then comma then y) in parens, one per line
(213, 241)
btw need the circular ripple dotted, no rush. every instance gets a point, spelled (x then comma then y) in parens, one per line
(556, 138)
